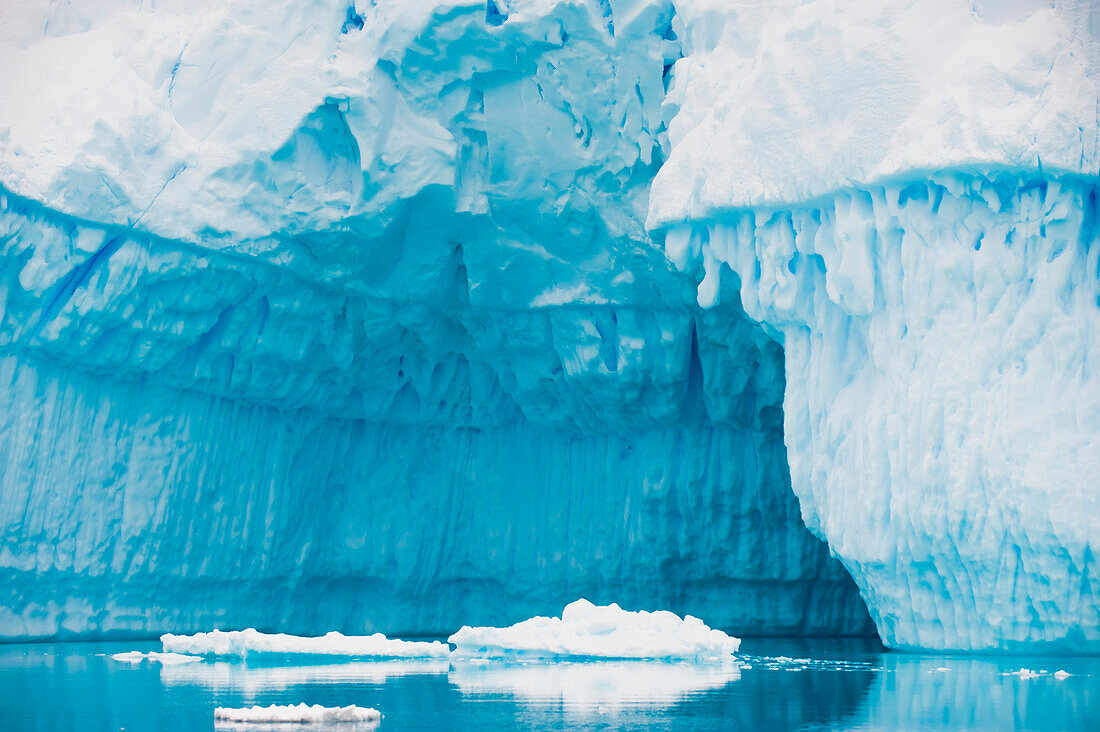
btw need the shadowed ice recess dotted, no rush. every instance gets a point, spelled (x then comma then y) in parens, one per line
(392, 316)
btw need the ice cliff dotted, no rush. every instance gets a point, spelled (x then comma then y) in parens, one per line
(358, 316)
(914, 216)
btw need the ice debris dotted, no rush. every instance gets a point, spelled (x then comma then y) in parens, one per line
(299, 713)
(585, 630)
(242, 643)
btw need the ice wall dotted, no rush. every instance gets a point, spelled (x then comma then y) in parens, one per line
(918, 226)
(343, 316)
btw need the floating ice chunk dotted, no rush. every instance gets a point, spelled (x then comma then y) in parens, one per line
(299, 714)
(1025, 673)
(1061, 674)
(940, 670)
(168, 659)
(241, 643)
(589, 631)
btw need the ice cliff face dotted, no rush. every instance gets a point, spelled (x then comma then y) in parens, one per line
(367, 301)
(929, 260)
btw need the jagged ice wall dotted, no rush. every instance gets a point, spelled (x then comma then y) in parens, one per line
(358, 316)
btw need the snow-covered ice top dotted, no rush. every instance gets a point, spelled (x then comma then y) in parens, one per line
(242, 643)
(585, 630)
(297, 713)
(774, 104)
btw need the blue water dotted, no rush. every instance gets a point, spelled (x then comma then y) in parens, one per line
(780, 685)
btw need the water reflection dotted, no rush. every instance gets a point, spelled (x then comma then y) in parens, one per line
(224, 726)
(251, 680)
(982, 693)
(584, 689)
(820, 686)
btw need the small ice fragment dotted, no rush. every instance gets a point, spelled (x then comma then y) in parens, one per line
(1062, 674)
(167, 659)
(299, 714)
(940, 670)
(589, 631)
(1025, 673)
(241, 643)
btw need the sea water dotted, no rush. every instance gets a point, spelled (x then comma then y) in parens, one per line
(775, 684)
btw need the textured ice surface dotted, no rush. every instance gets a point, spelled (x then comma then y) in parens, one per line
(243, 643)
(585, 630)
(363, 299)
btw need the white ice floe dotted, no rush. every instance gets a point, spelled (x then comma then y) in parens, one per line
(296, 713)
(242, 643)
(589, 631)
(1062, 674)
(168, 659)
(1025, 673)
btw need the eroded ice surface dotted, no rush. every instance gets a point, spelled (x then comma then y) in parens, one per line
(585, 630)
(243, 643)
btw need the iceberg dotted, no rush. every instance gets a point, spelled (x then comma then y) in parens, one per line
(780, 314)
(250, 642)
(585, 630)
(293, 308)
(913, 216)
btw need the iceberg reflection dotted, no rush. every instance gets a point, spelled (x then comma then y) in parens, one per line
(584, 688)
(252, 679)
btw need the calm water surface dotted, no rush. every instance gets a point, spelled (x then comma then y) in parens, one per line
(780, 685)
